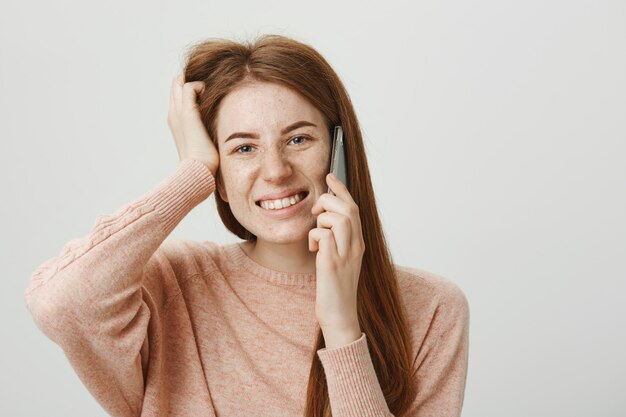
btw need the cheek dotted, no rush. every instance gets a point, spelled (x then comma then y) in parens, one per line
(316, 168)
(233, 177)
(323, 165)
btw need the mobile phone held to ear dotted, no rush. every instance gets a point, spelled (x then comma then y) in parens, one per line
(338, 157)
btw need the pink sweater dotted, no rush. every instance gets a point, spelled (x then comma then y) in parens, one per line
(157, 327)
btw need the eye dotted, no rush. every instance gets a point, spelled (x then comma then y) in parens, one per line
(242, 147)
(302, 137)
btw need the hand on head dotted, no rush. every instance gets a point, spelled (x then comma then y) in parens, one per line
(191, 136)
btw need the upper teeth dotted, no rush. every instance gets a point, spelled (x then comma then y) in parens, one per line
(281, 203)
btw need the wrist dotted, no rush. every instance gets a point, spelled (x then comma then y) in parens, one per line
(336, 337)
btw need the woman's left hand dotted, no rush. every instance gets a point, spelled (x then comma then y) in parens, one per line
(338, 240)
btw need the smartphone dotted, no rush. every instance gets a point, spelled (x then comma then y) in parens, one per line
(338, 157)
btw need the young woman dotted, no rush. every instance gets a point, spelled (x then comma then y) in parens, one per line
(308, 315)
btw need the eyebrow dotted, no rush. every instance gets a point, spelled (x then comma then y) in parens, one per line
(288, 129)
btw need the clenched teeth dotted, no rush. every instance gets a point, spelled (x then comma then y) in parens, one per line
(282, 202)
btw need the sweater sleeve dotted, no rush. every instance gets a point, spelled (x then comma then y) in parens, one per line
(439, 374)
(91, 299)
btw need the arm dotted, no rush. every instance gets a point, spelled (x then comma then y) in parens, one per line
(442, 361)
(439, 372)
(92, 298)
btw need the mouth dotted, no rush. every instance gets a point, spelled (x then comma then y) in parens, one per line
(282, 203)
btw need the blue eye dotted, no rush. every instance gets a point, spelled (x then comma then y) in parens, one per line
(241, 147)
(304, 137)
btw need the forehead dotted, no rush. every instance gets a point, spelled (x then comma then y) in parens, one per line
(264, 108)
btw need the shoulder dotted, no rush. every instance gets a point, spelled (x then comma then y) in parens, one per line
(191, 256)
(425, 286)
(432, 302)
(176, 261)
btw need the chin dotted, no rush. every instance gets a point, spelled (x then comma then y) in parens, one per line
(286, 234)
(285, 237)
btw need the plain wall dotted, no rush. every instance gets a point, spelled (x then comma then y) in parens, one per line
(495, 133)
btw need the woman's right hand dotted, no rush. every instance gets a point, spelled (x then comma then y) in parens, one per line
(191, 137)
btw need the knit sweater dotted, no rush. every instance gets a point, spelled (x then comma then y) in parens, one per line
(169, 327)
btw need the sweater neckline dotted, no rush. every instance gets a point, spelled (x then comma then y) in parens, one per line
(241, 259)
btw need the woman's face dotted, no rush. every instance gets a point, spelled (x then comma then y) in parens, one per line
(272, 141)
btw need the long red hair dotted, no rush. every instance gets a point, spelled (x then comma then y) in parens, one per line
(223, 65)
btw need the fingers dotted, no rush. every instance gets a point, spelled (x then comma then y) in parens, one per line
(339, 214)
(341, 203)
(329, 202)
(183, 95)
(341, 229)
(338, 187)
(176, 90)
(185, 121)
(341, 192)
(191, 90)
(322, 240)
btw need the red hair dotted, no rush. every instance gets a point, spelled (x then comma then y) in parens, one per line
(224, 65)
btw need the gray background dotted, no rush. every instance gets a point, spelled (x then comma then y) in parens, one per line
(495, 133)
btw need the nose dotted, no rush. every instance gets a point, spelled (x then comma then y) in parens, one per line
(275, 166)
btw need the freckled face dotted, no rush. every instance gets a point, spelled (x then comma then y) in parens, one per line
(273, 160)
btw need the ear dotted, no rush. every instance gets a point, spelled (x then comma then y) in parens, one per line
(220, 188)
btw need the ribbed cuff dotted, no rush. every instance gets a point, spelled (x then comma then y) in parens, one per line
(353, 386)
(190, 184)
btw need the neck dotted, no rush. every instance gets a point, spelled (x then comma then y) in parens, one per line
(284, 257)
